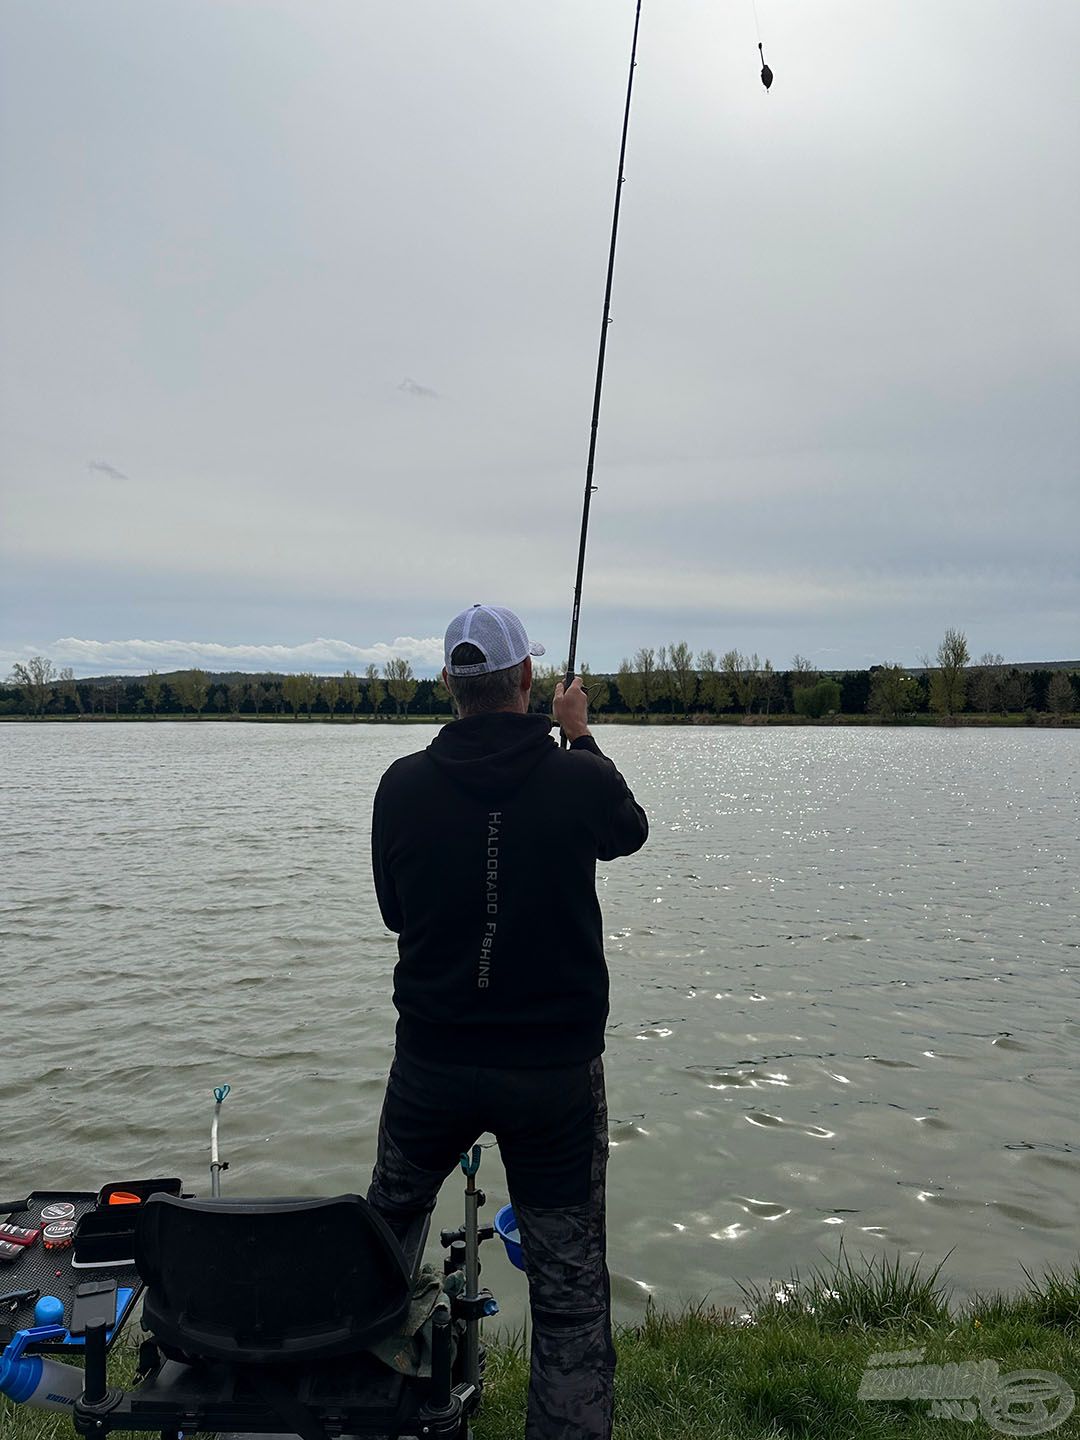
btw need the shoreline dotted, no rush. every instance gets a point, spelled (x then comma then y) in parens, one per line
(795, 1363)
(1038, 720)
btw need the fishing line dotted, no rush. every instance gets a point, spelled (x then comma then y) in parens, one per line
(605, 322)
(590, 488)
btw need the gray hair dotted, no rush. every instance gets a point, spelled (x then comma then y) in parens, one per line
(481, 694)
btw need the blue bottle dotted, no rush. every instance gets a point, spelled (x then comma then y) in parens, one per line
(38, 1380)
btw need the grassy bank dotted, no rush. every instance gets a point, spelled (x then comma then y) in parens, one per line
(794, 1371)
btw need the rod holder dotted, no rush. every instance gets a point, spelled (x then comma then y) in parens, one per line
(97, 1381)
(440, 1360)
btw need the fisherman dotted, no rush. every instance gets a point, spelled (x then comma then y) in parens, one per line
(484, 849)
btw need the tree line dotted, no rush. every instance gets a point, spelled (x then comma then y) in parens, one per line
(36, 687)
(666, 681)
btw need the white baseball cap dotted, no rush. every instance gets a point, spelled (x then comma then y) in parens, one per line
(496, 632)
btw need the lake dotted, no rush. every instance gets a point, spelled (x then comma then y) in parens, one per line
(845, 986)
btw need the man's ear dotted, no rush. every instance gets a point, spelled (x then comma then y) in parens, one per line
(527, 675)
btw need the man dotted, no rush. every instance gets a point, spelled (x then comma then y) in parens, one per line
(484, 848)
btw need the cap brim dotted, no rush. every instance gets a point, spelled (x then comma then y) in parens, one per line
(535, 649)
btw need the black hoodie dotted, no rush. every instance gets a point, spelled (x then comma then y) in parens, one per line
(484, 848)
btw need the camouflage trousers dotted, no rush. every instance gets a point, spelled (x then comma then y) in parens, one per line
(551, 1126)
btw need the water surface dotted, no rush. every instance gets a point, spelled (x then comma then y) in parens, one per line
(845, 985)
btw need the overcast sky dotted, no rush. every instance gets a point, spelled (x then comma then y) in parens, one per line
(300, 304)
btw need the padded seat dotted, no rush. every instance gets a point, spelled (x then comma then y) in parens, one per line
(259, 1282)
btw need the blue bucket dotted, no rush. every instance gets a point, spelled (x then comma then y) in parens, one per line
(507, 1230)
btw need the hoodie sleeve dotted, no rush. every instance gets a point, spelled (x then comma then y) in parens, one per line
(389, 905)
(625, 827)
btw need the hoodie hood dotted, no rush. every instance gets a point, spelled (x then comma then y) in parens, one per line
(492, 754)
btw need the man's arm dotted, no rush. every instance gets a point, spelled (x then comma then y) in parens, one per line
(384, 885)
(625, 828)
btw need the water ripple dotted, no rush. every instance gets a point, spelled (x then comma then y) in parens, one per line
(844, 977)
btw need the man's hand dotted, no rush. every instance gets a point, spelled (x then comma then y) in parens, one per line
(571, 709)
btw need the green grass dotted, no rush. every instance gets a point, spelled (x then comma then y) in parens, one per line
(17, 1422)
(791, 1373)
(795, 1370)
(877, 1294)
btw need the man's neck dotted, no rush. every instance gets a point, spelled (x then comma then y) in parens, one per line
(509, 710)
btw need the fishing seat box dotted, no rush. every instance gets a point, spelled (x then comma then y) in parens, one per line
(260, 1313)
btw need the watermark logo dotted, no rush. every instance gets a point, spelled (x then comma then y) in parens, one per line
(1022, 1402)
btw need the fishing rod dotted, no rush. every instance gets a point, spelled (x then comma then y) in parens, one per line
(590, 488)
(605, 322)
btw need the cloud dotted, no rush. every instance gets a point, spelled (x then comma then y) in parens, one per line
(824, 425)
(322, 656)
(102, 467)
(419, 392)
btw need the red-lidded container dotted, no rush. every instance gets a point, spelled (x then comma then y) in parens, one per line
(59, 1235)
